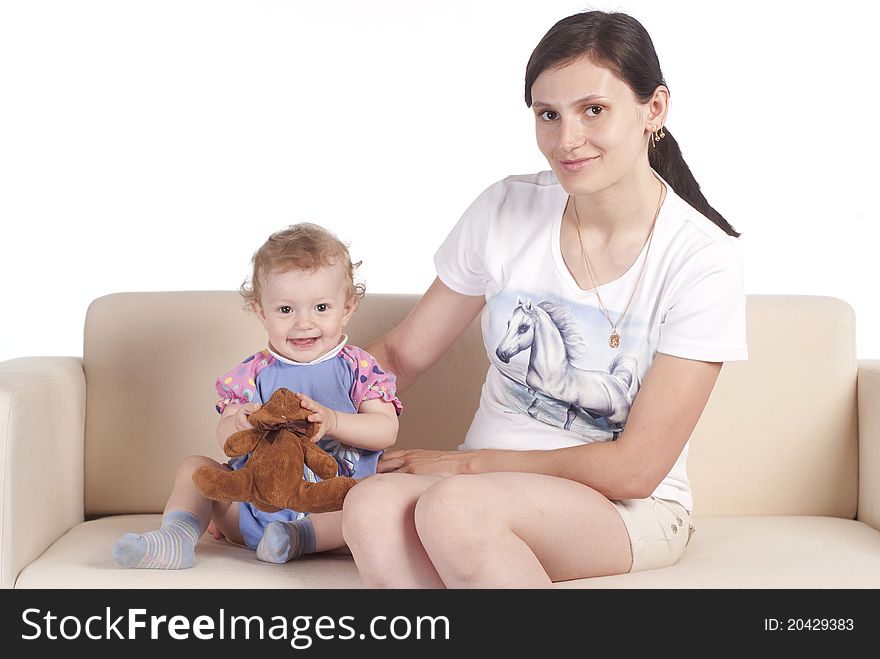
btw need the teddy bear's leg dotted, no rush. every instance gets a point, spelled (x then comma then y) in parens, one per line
(319, 461)
(222, 485)
(323, 497)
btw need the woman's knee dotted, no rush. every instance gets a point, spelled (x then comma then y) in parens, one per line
(369, 503)
(370, 494)
(457, 506)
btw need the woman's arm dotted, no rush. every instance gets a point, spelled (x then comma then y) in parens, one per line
(424, 336)
(662, 418)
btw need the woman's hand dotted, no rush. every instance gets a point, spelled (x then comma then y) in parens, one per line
(420, 461)
(323, 416)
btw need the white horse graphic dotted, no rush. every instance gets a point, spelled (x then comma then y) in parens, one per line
(550, 331)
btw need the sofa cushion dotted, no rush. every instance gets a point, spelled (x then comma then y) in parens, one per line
(765, 552)
(724, 552)
(81, 559)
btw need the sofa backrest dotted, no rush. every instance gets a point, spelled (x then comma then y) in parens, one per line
(778, 435)
(151, 361)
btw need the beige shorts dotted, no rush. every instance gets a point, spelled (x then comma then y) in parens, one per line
(659, 530)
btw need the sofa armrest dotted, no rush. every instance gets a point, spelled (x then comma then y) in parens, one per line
(42, 424)
(869, 443)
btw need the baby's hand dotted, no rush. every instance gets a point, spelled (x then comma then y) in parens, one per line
(241, 421)
(214, 531)
(323, 416)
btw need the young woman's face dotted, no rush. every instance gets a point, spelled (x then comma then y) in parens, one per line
(590, 126)
(305, 312)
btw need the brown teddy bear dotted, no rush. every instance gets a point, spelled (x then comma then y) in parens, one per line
(272, 478)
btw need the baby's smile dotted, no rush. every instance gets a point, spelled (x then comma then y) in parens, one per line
(303, 343)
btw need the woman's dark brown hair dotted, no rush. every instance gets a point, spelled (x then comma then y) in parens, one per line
(620, 43)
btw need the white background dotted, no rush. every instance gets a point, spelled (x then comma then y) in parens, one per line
(154, 145)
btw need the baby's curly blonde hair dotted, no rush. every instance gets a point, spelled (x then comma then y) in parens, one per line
(303, 246)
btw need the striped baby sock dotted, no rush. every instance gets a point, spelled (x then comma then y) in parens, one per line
(171, 547)
(285, 541)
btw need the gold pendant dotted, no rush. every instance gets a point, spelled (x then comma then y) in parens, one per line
(614, 341)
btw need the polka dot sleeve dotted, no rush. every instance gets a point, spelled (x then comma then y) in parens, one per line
(239, 386)
(370, 379)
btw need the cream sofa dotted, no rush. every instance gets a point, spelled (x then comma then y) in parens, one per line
(785, 461)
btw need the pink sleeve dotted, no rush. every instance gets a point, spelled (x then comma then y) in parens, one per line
(370, 380)
(239, 386)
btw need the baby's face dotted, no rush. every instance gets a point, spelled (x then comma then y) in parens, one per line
(305, 312)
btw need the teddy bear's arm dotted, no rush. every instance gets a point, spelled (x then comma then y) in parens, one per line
(319, 461)
(241, 442)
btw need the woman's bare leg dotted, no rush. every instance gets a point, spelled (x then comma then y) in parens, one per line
(378, 524)
(519, 530)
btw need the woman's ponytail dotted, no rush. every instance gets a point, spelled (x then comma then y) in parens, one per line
(666, 159)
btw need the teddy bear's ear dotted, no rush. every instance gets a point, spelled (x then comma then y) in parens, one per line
(282, 408)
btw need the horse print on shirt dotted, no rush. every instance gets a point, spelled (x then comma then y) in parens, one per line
(551, 333)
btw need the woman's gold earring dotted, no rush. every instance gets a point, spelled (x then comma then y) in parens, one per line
(656, 136)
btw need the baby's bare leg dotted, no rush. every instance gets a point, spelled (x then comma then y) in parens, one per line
(328, 530)
(185, 496)
(186, 516)
(225, 517)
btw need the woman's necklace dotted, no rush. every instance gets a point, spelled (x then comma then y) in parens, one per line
(614, 339)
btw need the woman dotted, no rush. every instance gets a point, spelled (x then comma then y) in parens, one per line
(613, 294)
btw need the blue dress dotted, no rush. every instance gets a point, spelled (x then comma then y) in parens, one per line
(341, 383)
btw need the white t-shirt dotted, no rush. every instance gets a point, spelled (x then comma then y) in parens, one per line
(554, 381)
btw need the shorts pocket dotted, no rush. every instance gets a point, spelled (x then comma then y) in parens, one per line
(661, 534)
(674, 517)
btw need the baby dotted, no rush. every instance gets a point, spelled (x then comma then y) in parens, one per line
(302, 289)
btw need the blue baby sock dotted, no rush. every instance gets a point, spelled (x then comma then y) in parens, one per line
(285, 541)
(171, 547)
